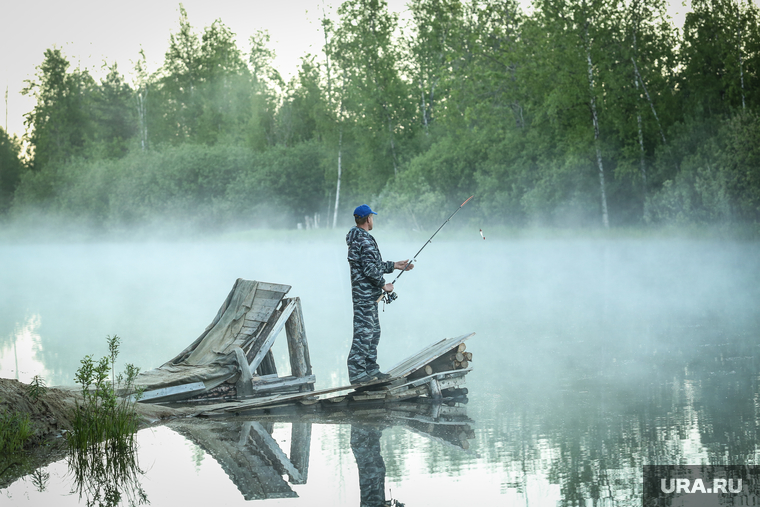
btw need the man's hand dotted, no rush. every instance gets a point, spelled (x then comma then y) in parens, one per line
(388, 287)
(400, 265)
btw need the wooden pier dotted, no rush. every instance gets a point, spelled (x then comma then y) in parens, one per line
(230, 367)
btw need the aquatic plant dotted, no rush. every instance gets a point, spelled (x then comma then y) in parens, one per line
(15, 430)
(103, 418)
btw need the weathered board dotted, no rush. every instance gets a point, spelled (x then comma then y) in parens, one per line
(168, 392)
(426, 355)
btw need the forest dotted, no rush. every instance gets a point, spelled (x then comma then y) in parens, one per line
(584, 113)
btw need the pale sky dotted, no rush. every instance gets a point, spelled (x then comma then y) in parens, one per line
(90, 32)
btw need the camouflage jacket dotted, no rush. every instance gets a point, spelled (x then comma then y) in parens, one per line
(367, 266)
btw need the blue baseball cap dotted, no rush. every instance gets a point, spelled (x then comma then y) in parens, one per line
(363, 211)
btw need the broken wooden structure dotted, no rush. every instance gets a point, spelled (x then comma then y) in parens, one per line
(233, 357)
(230, 367)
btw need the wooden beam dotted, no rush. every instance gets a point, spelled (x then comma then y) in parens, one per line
(269, 340)
(298, 346)
(164, 392)
(281, 383)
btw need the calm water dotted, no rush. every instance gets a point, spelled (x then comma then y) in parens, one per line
(592, 358)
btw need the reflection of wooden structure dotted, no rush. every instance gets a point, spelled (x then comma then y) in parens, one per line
(257, 464)
(250, 456)
(233, 357)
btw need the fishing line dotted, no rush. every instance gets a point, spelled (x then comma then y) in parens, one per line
(389, 297)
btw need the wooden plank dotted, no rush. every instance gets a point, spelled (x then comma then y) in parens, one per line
(274, 287)
(264, 294)
(282, 383)
(247, 331)
(407, 393)
(258, 314)
(269, 341)
(270, 300)
(422, 389)
(371, 395)
(426, 355)
(438, 375)
(164, 392)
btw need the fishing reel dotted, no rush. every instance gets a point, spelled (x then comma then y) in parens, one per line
(389, 297)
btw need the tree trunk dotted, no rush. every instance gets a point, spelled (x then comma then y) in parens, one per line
(595, 119)
(741, 64)
(638, 119)
(393, 146)
(142, 96)
(424, 109)
(340, 154)
(340, 171)
(649, 99)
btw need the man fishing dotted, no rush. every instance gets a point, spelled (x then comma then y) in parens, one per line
(367, 286)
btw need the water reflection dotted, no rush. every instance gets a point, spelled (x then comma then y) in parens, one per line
(20, 351)
(365, 444)
(590, 429)
(107, 475)
(250, 454)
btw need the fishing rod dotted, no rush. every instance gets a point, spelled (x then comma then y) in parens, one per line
(389, 297)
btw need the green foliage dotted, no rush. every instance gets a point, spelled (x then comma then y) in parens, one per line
(37, 388)
(15, 430)
(11, 168)
(104, 420)
(197, 185)
(59, 125)
(103, 452)
(717, 180)
(113, 116)
(467, 97)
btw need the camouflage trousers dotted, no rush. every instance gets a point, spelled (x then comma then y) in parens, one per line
(365, 444)
(362, 358)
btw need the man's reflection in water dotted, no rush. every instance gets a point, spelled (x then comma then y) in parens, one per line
(365, 443)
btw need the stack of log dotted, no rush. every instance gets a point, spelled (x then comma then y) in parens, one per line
(455, 359)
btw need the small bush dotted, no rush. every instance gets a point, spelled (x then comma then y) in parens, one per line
(37, 388)
(103, 417)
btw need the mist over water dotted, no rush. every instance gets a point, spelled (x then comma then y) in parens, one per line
(591, 357)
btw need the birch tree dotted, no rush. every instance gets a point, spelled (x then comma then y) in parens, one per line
(434, 31)
(379, 104)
